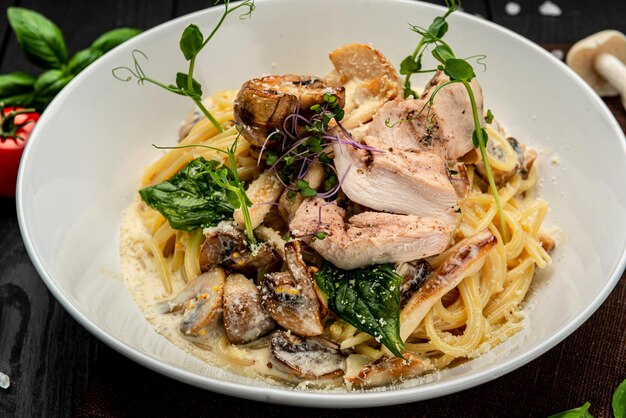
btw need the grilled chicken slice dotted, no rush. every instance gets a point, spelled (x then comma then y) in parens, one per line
(202, 301)
(289, 296)
(445, 130)
(395, 180)
(263, 192)
(369, 79)
(369, 237)
(464, 259)
(306, 358)
(225, 245)
(245, 319)
(263, 103)
(360, 373)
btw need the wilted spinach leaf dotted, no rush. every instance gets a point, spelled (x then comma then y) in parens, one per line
(368, 299)
(192, 199)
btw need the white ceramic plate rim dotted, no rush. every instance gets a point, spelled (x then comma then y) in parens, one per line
(317, 399)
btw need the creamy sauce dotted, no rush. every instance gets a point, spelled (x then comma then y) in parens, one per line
(142, 280)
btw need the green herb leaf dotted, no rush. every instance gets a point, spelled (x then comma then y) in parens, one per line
(368, 299)
(308, 192)
(619, 401)
(582, 412)
(181, 83)
(192, 198)
(109, 40)
(24, 100)
(40, 39)
(439, 27)
(302, 184)
(48, 85)
(321, 235)
(476, 141)
(489, 116)
(458, 69)
(82, 59)
(191, 41)
(409, 66)
(442, 53)
(16, 83)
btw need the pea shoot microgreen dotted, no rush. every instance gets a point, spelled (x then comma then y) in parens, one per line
(192, 42)
(459, 70)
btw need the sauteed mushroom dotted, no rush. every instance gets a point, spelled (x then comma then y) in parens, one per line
(204, 308)
(289, 296)
(245, 319)
(306, 358)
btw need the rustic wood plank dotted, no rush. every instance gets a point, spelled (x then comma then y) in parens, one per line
(579, 19)
(4, 26)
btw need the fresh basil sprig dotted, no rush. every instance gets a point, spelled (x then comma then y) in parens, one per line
(618, 405)
(44, 45)
(368, 299)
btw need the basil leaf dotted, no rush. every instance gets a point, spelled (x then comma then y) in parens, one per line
(619, 401)
(191, 199)
(439, 27)
(82, 59)
(489, 116)
(409, 66)
(16, 83)
(24, 100)
(442, 53)
(50, 82)
(40, 39)
(458, 69)
(191, 41)
(368, 299)
(582, 412)
(181, 83)
(109, 40)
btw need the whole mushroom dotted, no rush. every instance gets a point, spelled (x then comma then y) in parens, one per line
(600, 59)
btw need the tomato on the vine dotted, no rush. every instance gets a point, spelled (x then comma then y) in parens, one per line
(16, 125)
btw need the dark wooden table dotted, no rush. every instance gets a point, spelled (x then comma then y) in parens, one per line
(58, 369)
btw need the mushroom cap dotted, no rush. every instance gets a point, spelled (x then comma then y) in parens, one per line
(581, 58)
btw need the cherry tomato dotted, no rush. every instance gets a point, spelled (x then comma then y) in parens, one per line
(16, 125)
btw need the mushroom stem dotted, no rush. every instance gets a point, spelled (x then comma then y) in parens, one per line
(614, 71)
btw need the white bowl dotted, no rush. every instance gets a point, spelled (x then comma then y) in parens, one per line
(82, 166)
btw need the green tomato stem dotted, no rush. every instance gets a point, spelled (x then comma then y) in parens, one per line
(485, 158)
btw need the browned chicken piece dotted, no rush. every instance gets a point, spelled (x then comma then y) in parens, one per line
(225, 245)
(288, 207)
(463, 260)
(511, 153)
(203, 308)
(397, 181)
(245, 319)
(263, 103)
(263, 192)
(369, 237)
(369, 79)
(446, 129)
(362, 374)
(306, 358)
(289, 296)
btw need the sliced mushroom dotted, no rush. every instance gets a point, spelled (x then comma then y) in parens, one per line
(289, 296)
(263, 192)
(225, 246)
(458, 177)
(200, 285)
(386, 370)
(463, 260)
(263, 103)
(507, 157)
(369, 78)
(202, 311)
(245, 320)
(414, 274)
(306, 358)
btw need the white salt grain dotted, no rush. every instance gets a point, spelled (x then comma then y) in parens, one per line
(512, 8)
(547, 8)
(5, 382)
